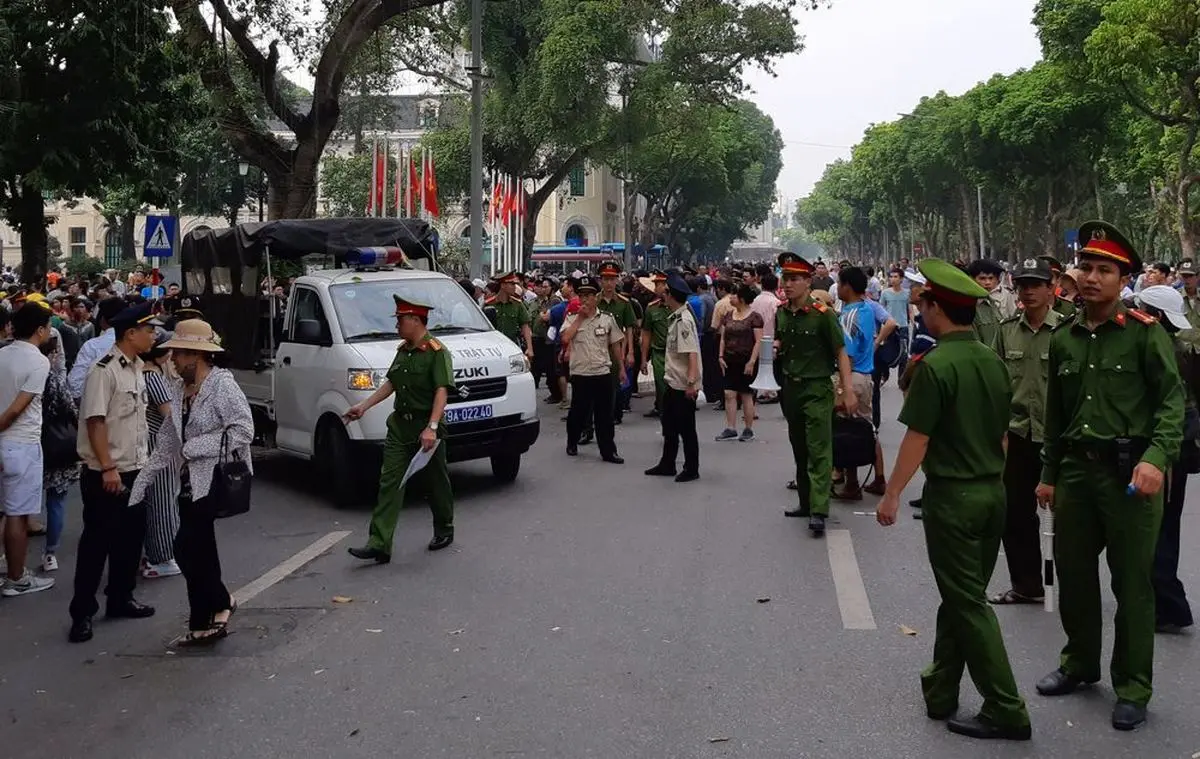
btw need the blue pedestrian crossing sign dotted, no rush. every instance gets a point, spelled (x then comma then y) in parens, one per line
(160, 237)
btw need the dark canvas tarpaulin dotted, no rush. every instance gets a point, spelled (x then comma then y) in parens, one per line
(225, 267)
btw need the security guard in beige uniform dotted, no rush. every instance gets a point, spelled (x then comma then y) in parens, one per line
(1024, 343)
(114, 445)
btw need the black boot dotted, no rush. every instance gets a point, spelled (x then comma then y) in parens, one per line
(366, 553)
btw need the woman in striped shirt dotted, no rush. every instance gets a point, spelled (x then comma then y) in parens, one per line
(162, 512)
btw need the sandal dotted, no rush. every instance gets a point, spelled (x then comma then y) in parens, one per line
(1012, 597)
(201, 638)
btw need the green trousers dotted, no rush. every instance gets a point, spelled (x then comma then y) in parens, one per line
(808, 407)
(1092, 513)
(964, 524)
(658, 365)
(401, 445)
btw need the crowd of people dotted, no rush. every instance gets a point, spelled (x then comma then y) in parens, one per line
(1035, 385)
(110, 385)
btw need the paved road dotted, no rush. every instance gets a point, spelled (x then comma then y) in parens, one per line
(584, 611)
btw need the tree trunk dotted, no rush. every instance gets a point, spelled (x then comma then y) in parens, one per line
(127, 225)
(968, 222)
(31, 224)
(1187, 233)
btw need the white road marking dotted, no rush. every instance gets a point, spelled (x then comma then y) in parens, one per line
(848, 582)
(247, 592)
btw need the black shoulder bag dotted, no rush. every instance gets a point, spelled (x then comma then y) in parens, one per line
(230, 491)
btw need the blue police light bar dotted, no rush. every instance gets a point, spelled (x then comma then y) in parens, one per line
(375, 256)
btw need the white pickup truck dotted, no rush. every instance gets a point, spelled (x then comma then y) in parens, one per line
(332, 348)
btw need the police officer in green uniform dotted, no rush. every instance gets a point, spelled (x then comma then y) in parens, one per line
(420, 376)
(809, 348)
(1023, 342)
(1062, 306)
(654, 336)
(617, 305)
(511, 314)
(957, 412)
(1186, 271)
(1114, 424)
(988, 314)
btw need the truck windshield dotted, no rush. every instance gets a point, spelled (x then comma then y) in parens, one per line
(366, 310)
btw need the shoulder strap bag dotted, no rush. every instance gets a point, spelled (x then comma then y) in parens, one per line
(230, 491)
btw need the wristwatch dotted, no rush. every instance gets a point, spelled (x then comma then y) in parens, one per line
(433, 426)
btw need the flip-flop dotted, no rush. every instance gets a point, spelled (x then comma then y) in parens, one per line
(1012, 597)
(217, 632)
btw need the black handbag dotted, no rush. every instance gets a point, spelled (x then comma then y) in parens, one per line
(59, 443)
(887, 356)
(853, 442)
(230, 491)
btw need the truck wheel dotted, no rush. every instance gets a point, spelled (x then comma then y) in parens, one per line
(336, 464)
(506, 466)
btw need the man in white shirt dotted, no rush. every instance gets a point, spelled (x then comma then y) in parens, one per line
(23, 373)
(765, 304)
(94, 349)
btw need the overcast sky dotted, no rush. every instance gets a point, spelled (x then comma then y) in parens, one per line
(865, 61)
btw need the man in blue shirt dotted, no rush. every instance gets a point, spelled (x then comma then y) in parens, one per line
(860, 325)
(558, 312)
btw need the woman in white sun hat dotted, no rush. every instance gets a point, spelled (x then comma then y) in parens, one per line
(1172, 612)
(209, 416)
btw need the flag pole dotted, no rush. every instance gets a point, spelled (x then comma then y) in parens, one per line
(387, 158)
(521, 222)
(374, 176)
(424, 169)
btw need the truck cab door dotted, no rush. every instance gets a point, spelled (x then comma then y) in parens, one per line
(301, 370)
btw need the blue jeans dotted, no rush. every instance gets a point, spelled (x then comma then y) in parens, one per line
(56, 512)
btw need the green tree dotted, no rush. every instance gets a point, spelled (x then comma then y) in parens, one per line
(330, 49)
(84, 96)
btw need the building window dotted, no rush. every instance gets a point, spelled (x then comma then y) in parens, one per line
(78, 240)
(428, 115)
(112, 249)
(576, 236)
(576, 180)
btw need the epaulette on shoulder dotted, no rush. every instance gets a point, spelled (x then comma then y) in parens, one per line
(489, 301)
(1142, 316)
(655, 302)
(1066, 321)
(820, 306)
(623, 297)
(433, 343)
(1011, 319)
(105, 359)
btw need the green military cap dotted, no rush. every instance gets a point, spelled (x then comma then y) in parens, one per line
(792, 263)
(1034, 268)
(1102, 240)
(411, 307)
(949, 284)
(1186, 268)
(1054, 264)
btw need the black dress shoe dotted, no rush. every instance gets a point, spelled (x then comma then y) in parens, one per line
(440, 541)
(1128, 716)
(651, 414)
(940, 715)
(687, 476)
(130, 609)
(366, 553)
(978, 727)
(660, 471)
(1059, 683)
(816, 523)
(586, 438)
(572, 450)
(81, 630)
(792, 485)
(613, 459)
(799, 511)
(617, 421)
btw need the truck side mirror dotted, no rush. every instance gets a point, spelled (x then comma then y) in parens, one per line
(308, 331)
(490, 313)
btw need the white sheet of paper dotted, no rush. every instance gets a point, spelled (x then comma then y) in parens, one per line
(418, 463)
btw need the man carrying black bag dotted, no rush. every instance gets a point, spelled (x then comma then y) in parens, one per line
(210, 425)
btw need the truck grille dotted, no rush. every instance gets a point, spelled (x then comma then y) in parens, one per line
(478, 390)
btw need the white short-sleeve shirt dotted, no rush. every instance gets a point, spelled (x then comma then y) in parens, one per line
(23, 368)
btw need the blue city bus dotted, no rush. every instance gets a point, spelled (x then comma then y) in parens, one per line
(587, 257)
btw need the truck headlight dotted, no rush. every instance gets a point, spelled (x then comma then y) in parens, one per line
(518, 364)
(365, 379)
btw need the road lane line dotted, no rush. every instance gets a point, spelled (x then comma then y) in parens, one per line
(848, 582)
(247, 592)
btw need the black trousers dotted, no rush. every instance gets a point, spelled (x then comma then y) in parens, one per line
(710, 366)
(544, 361)
(1022, 529)
(592, 400)
(1170, 600)
(113, 531)
(196, 553)
(679, 422)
